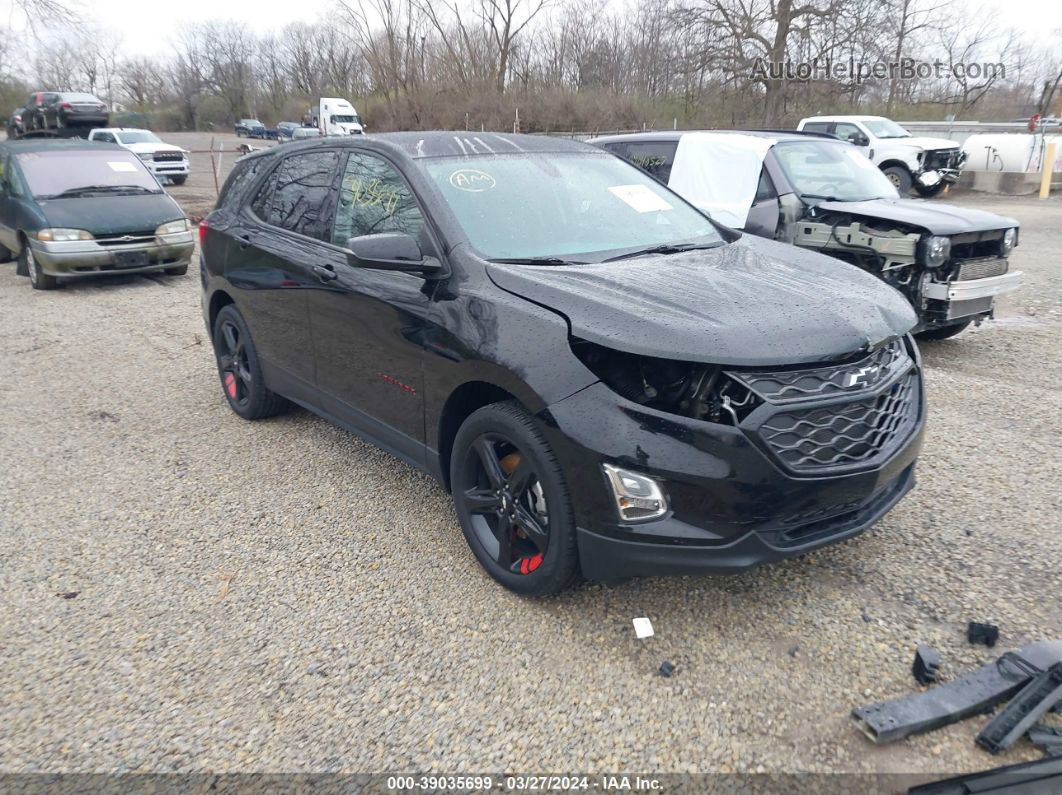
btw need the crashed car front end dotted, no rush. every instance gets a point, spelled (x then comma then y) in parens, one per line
(936, 166)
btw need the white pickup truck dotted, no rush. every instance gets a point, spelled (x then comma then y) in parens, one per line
(162, 159)
(925, 164)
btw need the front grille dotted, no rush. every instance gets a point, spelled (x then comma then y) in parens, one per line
(942, 158)
(168, 157)
(843, 434)
(981, 268)
(820, 382)
(977, 245)
(126, 239)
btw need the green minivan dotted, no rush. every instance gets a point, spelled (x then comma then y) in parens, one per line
(71, 209)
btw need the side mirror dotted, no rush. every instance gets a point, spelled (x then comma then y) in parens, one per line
(858, 139)
(390, 251)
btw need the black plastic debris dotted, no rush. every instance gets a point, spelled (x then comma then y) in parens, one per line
(987, 634)
(68, 594)
(1047, 738)
(926, 664)
(1029, 778)
(1027, 707)
(971, 694)
(666, 668)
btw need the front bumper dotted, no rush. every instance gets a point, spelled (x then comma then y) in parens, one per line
(87, 257)
(167, 168)
(733, 504)
(974, 289)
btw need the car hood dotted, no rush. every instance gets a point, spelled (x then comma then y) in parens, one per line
(752, 302)
(111, 215)
(933, 216)
(152, 147)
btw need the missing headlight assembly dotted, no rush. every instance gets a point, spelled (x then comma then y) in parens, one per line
(699, 391)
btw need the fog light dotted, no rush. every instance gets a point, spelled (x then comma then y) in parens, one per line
(638, 498)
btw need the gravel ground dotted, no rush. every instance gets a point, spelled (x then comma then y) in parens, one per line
(181, 590)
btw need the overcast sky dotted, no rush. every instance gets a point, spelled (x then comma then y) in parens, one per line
(145, 27)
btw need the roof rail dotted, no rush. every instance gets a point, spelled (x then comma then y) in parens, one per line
(810, 133)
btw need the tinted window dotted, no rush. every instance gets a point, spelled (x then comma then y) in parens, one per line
(765, 188)
(241, 176)
(653, 157)
(373, 198)
(105, 137)
(298, 194)
(817, 126)
(843, 130)
(138, 137)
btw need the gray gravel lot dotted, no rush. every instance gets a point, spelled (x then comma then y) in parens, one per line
(281, 596)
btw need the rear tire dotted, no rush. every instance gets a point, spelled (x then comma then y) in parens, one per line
(240, 372)
(28, 264)
(943, 332)
(900, 177)
(518, 521)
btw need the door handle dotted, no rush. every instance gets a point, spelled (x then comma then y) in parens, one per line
(326, 273)
(243, 240)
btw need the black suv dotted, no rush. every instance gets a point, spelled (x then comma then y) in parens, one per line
(605, 380)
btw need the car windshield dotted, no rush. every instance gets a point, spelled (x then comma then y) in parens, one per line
(833, 171)
(80, 98)
(579, 206)
(885, 128)
(344, 120)
(252, 122)
(138, 137)
(83, 171)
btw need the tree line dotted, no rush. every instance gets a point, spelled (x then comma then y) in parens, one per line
(554, 65)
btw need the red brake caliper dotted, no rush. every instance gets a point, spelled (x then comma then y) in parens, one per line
(230, 385)
(528, 564)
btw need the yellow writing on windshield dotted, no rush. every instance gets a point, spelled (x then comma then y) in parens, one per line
(371, 193)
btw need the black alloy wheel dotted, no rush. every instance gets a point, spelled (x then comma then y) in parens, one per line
(238, 368)
(512, 502)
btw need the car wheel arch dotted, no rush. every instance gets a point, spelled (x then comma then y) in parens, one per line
(218, 301)
(461, 403)
(894, 163)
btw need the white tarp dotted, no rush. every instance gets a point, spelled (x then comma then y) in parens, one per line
(719, 172)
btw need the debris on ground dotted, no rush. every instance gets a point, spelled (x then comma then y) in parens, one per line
(68, 594)
(1037, 697)
(1046, 738)
(987, 634)
(666, 668)
(643, 628)
(1039, 776)
(103, 416)
(926, 664)
(971, 694)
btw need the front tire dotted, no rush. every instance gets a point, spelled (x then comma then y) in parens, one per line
(943, 332)
(899, 177)
(512, 501)
(240, 371)
(179, 179)
(27, 263)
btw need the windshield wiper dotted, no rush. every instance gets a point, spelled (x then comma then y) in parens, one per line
(537, 261)
(138, 189)
(666, 248)
(820, 196)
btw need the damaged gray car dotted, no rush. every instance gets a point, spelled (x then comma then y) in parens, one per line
(821, 193)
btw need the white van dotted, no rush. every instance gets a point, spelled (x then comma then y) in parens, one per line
(336, 116)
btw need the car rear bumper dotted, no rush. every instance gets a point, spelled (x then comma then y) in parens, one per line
(87, 257)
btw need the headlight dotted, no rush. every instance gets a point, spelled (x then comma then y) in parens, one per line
(63, 235)
(937, 251)
(1010, 240)
(173, 227)
(638, 498)
(145, 155)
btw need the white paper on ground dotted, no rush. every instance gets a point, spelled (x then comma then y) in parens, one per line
(640, 198)
(643, 628)
(719, 172)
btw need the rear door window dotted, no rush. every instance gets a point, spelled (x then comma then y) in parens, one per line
(653, 157)
(817, 126)
(299, 195)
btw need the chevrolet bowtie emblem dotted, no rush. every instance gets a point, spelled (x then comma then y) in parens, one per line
(860, 377)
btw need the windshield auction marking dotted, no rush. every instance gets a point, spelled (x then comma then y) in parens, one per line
(472, 180)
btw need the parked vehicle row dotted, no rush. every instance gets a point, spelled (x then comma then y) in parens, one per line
(58, 112)
(823, 194)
